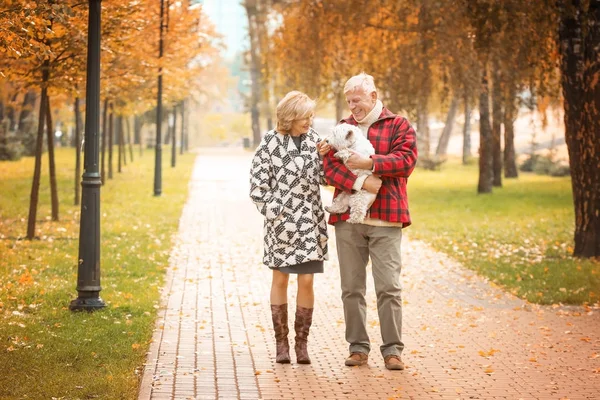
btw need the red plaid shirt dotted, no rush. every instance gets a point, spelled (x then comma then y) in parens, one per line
(394, 160)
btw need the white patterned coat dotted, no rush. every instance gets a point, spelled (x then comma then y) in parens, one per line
(285, 187)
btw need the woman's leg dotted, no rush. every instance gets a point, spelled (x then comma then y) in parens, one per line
(279, 286)
(306, 294)
(279, 313)
(304, 310)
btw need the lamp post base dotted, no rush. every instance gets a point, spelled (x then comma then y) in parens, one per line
(87, 304)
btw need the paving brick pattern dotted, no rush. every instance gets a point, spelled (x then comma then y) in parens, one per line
(465, 338)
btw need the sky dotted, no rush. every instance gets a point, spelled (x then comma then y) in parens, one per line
(229, 17)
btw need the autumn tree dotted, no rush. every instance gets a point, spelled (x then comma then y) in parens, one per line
(41, 45)
(46, 39)
(579, 43)
(255, 10)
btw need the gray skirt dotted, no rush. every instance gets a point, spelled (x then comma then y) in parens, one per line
(309, 267)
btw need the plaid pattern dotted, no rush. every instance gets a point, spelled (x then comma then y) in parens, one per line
(395, 157)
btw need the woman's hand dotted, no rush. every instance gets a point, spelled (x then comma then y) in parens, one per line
(323, 147)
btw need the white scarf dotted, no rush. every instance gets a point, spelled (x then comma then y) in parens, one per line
(365, 123)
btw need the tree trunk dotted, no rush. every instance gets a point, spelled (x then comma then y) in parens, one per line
(485, 140)
(121, 137)
(510, 114)
(37, 170)
(111, 132)
(340, 103)
(52, 164)
(1, 117)
(174, 144)
(3, 135)
(424, 79)
(497, 124)
(261, 26)
(122, 140)
(137, 133)
(25, 119)
(27, 123)
(466, 154)
(167, 138)
(442, 148)
(119, 129)
(77, 151)
(423, 142)
(11, 114)
(3, 128)
(579, 35)
(181, 144)
(255, 64)
(129, 143)
(26, 110)
(103, 142)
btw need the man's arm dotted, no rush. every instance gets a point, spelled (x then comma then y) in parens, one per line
(402, 158)
(337, 174)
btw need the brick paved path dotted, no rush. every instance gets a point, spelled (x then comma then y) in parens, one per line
(465, 339)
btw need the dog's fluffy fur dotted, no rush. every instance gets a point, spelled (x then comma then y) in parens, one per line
(343, 138)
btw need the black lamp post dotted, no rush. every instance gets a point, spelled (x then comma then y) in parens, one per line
(88, 272)
(158, 145)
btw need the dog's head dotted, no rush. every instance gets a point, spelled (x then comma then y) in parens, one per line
(344, 136)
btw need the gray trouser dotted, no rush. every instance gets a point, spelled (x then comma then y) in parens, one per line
(355, 243)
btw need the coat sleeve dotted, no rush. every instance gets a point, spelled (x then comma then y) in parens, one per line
(337, 174)
(322, 180)
(402, 158)
(263, 184)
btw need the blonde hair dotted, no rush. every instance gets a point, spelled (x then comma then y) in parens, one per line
(294, 105)
(361, 81)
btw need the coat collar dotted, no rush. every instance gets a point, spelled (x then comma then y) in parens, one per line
(299, 158)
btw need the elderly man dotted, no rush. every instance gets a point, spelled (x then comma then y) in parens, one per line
(379, 236)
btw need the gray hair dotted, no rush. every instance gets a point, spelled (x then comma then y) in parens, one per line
(361, 81)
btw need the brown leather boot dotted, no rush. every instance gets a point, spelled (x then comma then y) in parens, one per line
(302, 326)
(280, 326)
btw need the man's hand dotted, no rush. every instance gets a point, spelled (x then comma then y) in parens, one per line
(372, 184)
(356, 161)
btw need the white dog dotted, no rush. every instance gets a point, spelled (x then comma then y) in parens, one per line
(343, 138)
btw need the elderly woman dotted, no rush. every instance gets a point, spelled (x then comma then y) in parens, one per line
(285, 180)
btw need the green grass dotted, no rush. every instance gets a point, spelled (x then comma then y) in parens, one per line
(520, 236)
(47, 351)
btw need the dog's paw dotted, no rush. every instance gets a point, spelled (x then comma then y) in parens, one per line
(355, 220)
(356, 217)
(335, 209)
